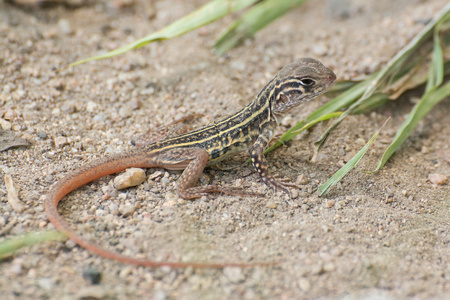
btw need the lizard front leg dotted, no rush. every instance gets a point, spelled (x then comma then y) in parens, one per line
(193, 161)
(259, 161)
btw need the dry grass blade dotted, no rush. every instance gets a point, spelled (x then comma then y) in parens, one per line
(324, 188)
(428, 101)
(256, 18)
(8, 247)
(399, 66)
(208, 13)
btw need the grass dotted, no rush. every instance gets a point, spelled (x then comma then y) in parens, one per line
(403, 72)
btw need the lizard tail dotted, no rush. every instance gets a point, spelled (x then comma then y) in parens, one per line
(95, 171)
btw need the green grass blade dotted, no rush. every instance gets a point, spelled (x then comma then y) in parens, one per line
(8, 247)
(256, 18)
(299, 128)
(395, 66)
(436, 70)
(208, 13)
(373, 102)
(324, 188)
(426, 103)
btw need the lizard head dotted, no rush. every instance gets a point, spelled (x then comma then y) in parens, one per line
(300, 81)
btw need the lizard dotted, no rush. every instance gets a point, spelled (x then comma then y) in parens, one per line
(251, 128)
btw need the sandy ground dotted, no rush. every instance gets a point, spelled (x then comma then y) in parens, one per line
(374, 236)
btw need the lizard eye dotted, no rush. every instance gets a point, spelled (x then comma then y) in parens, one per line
(307, 82)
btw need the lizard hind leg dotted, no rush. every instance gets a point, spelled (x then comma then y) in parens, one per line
(194, 160)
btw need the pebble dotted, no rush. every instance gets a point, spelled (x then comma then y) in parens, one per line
(238, 65)
(234, 274)
(94, 292)
(330, 203)
(320, 49)
(92, 275)
(46, 283)
(60, 141)
(113, 208)
(17, 266)
(317, 269)
(56, 111)
(41, 135)
(10, 115)
(91, 106)
(271, 204)
(127, 210)
(100, 212)
(437, 179)
(301, 179)
(131, 177)
(65, 27)
(304, 284)
(125, 112)
(135, 104)
(5, 124)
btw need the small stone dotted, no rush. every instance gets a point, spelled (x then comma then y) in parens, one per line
(57, 84)
(41, 135)
(320, 49)
(330, 203)
(234, 274)
(131, 177)
(46, 284)
(30, 116)
(125, 112)
(304, 284)
(301, 179)
(238, 65)
(94, 292)
(271, 204)
(56, 111)
(91, 106)
(5, 125)
(10, 115)
(317, 269)
(17, 266)
(100, 212)
(60, 141)
(294, 194)
(113, 208)
(125, 272)
(65, 27)
(127, 210)
(70, 244)
(92, 275)
(78, 145)
(360, 142)
(437, 179)
(329, 267)
(135, 104)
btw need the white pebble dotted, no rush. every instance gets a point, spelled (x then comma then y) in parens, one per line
(127, 210)
(60, 141)
(91, 106)
(5, 125)
(271, 204)
(437, 179)
(234, 274)
(65, 26)
(131, 177)
(125, 112)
